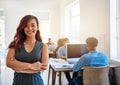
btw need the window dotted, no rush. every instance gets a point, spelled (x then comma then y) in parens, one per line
(43, 17)
(72, 21)
(45, 30)
(2, 37)
(115, 30)
(2, 27)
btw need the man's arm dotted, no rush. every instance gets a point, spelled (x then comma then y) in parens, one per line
(81, 62)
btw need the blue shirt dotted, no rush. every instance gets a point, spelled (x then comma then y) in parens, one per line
(62, 51)
(51, 47)
(92, 58)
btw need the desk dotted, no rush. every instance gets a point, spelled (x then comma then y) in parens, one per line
(53, 63)
(55, 70)
(60, 70)
(52, 55)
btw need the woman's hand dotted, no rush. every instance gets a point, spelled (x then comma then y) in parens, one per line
(36, 66)
(43, 66)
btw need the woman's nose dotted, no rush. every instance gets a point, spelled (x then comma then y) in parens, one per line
(29, 27)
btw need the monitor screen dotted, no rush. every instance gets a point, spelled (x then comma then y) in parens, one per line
(75, 50)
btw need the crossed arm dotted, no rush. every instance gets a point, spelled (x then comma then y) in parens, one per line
(23, 67)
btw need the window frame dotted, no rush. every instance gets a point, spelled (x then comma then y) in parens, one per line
(72, 21)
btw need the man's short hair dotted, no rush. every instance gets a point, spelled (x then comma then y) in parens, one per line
(49, 38)
(91, 41)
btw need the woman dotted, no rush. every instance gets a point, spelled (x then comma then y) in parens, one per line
(62, 54)
(27, 55)
(59, 44)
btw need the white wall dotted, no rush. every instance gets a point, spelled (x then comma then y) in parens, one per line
(55, 22)
(95, 21)
(94, 18)
(14, 10)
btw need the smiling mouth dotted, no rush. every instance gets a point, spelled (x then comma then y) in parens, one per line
(30, 32)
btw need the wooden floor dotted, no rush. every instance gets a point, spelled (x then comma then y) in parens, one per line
(6, 77)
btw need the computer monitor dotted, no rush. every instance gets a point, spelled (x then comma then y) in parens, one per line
(75, 50)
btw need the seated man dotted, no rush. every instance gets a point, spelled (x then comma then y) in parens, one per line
(92, 58)
(51, 45)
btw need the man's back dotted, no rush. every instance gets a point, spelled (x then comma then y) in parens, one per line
(92, 58)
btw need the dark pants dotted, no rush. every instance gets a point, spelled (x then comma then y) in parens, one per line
(111, 76)
(67, 74)
(76, 79)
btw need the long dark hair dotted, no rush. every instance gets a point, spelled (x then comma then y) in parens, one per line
(20, 35)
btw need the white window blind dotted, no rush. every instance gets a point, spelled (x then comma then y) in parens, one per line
(72, 21)
(2, 29)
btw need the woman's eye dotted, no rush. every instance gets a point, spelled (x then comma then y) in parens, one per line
(33, 25)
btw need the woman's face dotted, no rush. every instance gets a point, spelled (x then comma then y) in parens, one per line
(31, 28)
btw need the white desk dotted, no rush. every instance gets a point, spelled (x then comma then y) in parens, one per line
(112, 65)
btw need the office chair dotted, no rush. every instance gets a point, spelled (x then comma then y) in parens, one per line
(96, 75)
